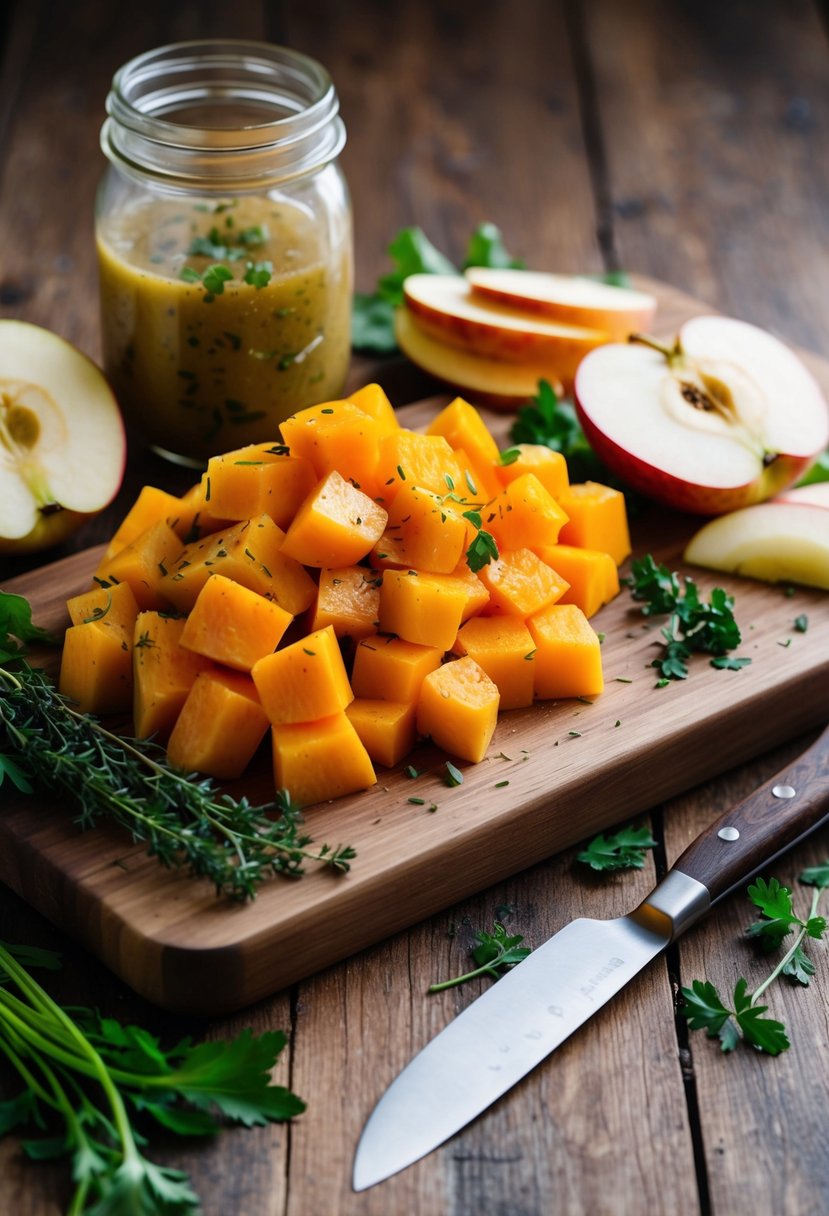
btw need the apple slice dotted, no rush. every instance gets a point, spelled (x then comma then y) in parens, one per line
(446, 308)
(773, 541)
(816, 495)
(487, 381)
(62, 443)
(617, 311)
(726, 417)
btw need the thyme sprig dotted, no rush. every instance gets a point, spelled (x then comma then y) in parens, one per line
(186, 822)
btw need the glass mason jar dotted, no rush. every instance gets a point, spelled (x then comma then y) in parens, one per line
(224, 238)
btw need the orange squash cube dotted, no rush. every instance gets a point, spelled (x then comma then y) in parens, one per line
(524, 515)
(372, 399)
(348, 599)
(143, 563)
(477, 595)
(422, 460)
(199, 509)
(425, 608)
(304, 681)
(164, 673)
(220, 726)
(315, 761)
(519, 583)
(151, 507)
(96, 666)
(458, 709)
(115, 605)
(478, 481)
(337, 436)
(257, 479)
(336, 525)
(548, 466)
(568, 660)
(386, 728)
(388, 554)
(430, 534)
(463, 427)
(597, 519)
(592, 575)
(503, 646)
(391, 669)
(233, 625)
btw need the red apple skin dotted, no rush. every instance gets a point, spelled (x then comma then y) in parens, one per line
(617, 325)
(686, 496)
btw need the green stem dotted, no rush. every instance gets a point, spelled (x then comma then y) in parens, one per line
(486, 969)
(790, 953)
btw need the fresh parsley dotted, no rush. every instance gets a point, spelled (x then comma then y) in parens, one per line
(744, 1018)
(494, 954)
(83, 1075)
(624, 850)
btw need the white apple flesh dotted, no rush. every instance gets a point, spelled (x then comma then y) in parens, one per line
(815, 495)
(570, 299)
(728, 417)
(778, 542)
(62, 443)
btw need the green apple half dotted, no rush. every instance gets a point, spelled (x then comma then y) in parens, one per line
(62, 442)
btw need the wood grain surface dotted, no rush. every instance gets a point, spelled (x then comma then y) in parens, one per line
(683, 141)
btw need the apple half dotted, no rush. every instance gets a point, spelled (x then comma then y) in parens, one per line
(726, 417)
(570, 299)
(445, 307)
(778, 542)
(62, 442)
(491, 382)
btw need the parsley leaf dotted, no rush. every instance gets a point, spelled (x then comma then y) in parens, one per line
(818, 472)
(481, 551)
(258, 274)
(624, 850)
(553, 424)
(775, 903)
(486, 248)
(494, 953)
(16, 628)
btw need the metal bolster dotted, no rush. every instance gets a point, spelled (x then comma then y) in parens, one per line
(674, 905)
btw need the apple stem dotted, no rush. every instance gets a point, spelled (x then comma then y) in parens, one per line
(675, 355)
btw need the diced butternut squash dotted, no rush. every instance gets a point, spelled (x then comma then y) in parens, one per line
(421, 460)
(524, 515)
(152, 506)
(336, 525)
(425, 608)
(519, 583)
(386, 728)
(249, 553)
(478, 480)
(348, 599)
(372, 399)
(315, 761)
(391, 669)
(164, 673)
(477, 595)
(593, 576)
(261, 478)
(220, 726)
(233, 625)
(429, 533)
(458, 708)
(503, 646)
(463, 427)
(96, 666)
(204, 518)
(568, 660)
(115, 605)
(596, 519)
(304, 681)
(143, 563)
(548, 466)
(388, 554)
(337, 436)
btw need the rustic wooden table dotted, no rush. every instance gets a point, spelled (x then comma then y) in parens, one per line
(686, 142)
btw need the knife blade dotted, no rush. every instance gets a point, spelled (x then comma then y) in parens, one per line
(538, 1004)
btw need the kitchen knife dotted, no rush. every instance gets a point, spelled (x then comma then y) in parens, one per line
(517, 1022)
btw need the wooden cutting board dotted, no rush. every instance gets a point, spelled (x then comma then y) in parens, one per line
(573, 768)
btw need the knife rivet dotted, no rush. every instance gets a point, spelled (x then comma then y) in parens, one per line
(784, 791)
(728, 834)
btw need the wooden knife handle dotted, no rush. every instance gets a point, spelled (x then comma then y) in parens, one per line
(756, 830)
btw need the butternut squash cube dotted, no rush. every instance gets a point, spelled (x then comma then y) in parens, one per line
(115, 605)
(96, 666)
(592, 575)
(391, 669)
(257, 479)
(425, 608)
(568, 660)
(336, 525)
(233, 625)
(388, 554)
(524, 514)
(458, 709)
(386, 728)
(478, 481)
(143, 564)
(597, 519)
(463, 427)
(503, 646)
(304, 681)
(548, 466)
(336, 436)
(205, 520)
(372, 399)
(421, 460)
(151, 507)
(315, 761)
(477, 595)
(249, 553)
(430, 534)
(348, 599)
(164, 673)
(519, 583)
(220, 726)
